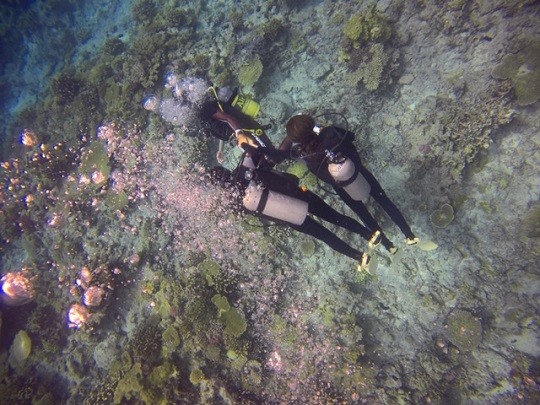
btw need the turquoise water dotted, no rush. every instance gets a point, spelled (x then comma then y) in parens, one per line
(126, 278)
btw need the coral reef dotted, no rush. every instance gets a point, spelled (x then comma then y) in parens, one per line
(523, 69)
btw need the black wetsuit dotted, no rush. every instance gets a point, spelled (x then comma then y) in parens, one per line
(338, 140)
(222, 130)
(287, 184)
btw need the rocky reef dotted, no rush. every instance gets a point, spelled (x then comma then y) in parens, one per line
(127, 278)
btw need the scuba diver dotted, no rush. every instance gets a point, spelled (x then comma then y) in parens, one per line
(276, 196)
(231, 110)
(330, 154)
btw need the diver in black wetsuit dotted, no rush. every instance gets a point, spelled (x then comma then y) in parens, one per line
(331, 155)
(222, 113)
(277, 196)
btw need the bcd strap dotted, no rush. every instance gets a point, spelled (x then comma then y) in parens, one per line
(262, 201)
(352, 179)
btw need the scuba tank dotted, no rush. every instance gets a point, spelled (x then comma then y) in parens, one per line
(246, 105)
(239, 101)
(275, 205)
(344, 172)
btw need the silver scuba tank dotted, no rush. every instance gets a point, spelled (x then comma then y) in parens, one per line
(345, 174)
(275, 205)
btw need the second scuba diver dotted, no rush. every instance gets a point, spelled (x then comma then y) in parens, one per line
(330, 154)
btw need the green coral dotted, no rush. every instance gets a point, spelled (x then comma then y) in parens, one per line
(161, 374)
(170, 340)
(368, 26)
(307, 247)
(221, 303)
(354, 27)
(250, 73)
(300, 170)
(523, 69)
(130, 385)
(196, 376)
(95, 159)
(234, 322)
(464, 330)
(442, 217)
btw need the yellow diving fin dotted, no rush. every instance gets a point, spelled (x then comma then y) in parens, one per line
(427, 245)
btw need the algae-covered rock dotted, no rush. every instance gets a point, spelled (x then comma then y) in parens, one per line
(464, 330)
(523, 69)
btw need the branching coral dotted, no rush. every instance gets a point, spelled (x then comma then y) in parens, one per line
(374, 69)
(460, 130)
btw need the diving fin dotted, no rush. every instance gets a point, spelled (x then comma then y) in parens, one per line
(427, 245)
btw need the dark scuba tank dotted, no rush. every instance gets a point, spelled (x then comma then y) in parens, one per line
(344, 172)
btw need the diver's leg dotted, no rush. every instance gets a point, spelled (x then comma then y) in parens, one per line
(319, 208)
(391, 209)
(313, 228)
(360, 209)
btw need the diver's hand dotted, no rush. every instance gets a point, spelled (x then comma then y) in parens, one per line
(243, 138)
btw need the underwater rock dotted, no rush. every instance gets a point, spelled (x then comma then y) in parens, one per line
(464, 330)
(20, 349)
(442, 217)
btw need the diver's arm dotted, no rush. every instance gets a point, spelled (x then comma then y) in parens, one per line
(229, 119)
(286, 144)
(276, 155)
